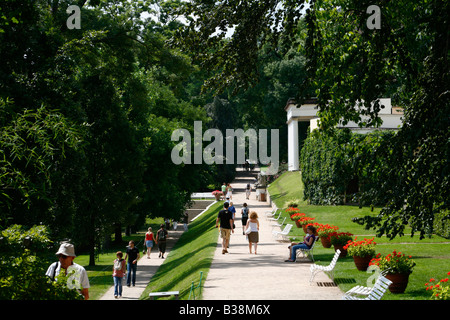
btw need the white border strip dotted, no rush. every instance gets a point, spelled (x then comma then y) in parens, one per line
(203, 211)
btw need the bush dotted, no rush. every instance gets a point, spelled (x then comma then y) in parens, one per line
(341, 167)
(23, 266)
(441, 224)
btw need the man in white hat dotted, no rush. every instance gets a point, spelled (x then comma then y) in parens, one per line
(79, 280)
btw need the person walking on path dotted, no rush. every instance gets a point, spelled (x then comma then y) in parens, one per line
(119, 270)
(133, 256)
(244, 216)
(224, 190)
(226, 226)
(248, 191)
(229, 192)
(252, 231)
(149, 241)
(161, 240)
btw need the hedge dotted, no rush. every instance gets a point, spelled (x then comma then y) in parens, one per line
(342, 167)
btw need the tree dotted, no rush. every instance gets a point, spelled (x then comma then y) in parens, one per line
(350, 65)
(121, 88)
(32, 144)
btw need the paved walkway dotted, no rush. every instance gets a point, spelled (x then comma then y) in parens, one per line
(146, 268)
(240, 275)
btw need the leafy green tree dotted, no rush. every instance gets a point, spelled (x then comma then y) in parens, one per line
(111, 80)
(350, 65)
(32, 143)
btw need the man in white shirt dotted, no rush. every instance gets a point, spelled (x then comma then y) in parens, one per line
(79, 279)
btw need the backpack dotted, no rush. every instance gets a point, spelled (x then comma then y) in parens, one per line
(245, 212)
(118, 264)
(162, 235)
(54, 271)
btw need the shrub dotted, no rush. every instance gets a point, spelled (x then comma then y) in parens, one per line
(23, 266)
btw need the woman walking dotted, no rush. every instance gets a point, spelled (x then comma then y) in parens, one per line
(229, 192)
(244, 217)
(252, 231)
(149, 241)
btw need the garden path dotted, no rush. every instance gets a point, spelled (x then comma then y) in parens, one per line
(240, 275)
(145, 270)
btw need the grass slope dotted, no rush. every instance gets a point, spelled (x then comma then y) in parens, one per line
(192, 254)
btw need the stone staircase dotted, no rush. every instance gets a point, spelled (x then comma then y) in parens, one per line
(197, 207)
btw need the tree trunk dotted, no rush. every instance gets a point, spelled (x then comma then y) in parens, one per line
(118, 233)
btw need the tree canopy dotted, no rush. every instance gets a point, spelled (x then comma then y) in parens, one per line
(349, 67)
(87, 116)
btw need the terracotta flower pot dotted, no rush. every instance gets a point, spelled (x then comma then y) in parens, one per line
(304, 228)
(362, 263)
(326, 242)
(343, 253)
(297, 223)
(399, 282)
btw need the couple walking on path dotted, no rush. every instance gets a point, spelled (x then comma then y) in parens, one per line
(226, 220)
(145, 269)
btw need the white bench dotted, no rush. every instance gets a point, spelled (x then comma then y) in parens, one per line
(372, 293)
(329, 269)
(154, 295)
(273, 218)
(276, 224)
(283, 233)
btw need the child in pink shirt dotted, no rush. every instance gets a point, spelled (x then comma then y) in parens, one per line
(119, 270)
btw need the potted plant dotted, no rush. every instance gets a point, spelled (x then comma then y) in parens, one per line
(218, 194)
(339, 240)
(324, 231)
(304, 221)
(296, 217)
(397, 267)
(291, 211)
(440, 289)
(362, 252)
(293, 203)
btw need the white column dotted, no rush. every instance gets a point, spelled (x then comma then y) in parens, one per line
(293, 154)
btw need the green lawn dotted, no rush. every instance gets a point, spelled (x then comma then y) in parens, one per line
(192, 254)
(432, 255)
(194, 251)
